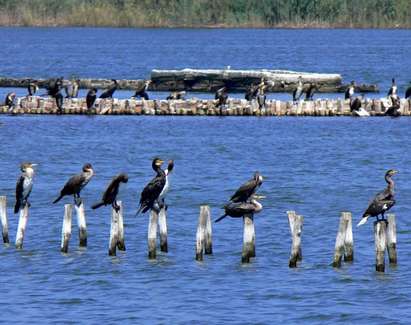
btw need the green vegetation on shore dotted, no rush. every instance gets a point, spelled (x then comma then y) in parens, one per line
(207, 13)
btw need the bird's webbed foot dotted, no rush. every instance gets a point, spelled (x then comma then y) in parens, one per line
(77, 200)
(115, 206)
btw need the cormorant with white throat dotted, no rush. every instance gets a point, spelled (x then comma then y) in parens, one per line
(248, 189)
(76, 183)
(239, 209)
(382, 202)
(24, 186)
(393, 89)
(109, 92)
(10, 101)
(349, 92)
(110, 194)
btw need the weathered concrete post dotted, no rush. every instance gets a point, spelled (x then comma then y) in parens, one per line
(380, 245)
(349, 240)
(66, 229)
(3, 217)
(340, 241)
(120, 243)
(113, 233)
(152, 234)
(392, 239)
(248, 238)
(296, 224)
(208, 240)
(162, 225)
(201, 231)
(21, 228)
(82, 226)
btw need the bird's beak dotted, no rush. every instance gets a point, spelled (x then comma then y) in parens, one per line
(395, 171)
(33, 165)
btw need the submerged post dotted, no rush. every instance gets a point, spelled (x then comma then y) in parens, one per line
(21, 228)
(66, 229)
(392, 239)
(113, 233)
(82, 226)
(200, 236)
(152, 234)
(349, 240)
(340, 241)
(296, 224)
(120, 243)
(208, 240)
(248, 238)
(380, 245)
(3, 217)
(162, 224)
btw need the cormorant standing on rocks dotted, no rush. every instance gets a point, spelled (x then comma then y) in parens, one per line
(239, 209)
(349, 92)
(309, 92)
(24, 186)
(298, 91)
(248, 189)
(109, 92)
(32, 88)
(261, 94)
(251, 92)
(393, 110)
(91, 98)
(76, 183)
(141, 92)
(382, 202)
(152, 196)
(54, 90)
(355, 104)
(110, 195)
(408, 93)
(393, 89)
(221, 96)
(10, 100)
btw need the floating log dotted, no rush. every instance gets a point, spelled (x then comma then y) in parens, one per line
(296, 224)
(21, 228)
(392, 239)
(120, 243)
(344, 241)
(82, 226)
(66, 229)
(3, 218)
(380, 245)
(162, 224)
(199, 107)
(152, 234)
(248, 238)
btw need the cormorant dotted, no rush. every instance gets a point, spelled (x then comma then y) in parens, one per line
(382, 202)
(141, 92)
(298, 91)
(110, 195)
(251, 92)
(393, 88)
(152, 196)
(261, 94)
(24, 186)
(176, 95)
(10, 100)
(309, 92)
(408, 93)
(355, 104)
(91, 97)
(76, 183)
(221, 97)
(248, 189)
(32, 88)
(54, 90)
(393, 110)
(349, 92)
(239, 209)
(109, 92)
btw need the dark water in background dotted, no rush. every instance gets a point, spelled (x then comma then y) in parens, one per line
(317, 166)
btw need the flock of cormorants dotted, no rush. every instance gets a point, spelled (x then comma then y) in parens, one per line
(243, 201)
(254, 92)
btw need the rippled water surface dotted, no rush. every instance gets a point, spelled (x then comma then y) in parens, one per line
(316, 166)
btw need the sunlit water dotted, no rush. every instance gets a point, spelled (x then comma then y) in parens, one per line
(316, 166)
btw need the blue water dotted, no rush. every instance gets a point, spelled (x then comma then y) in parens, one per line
(316, 166)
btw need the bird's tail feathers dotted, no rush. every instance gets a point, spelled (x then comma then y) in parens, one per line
(363, 220)
(97, 205)
(17, 207)
(221, 218)
(58, 199)
(139, 210)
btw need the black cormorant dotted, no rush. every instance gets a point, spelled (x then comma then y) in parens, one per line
(176, 95)
(261, 94)
(393, 89)
(309, 91)
(382, 202)
(54, 90)
(408, 93)
(251, 92)
(91, 97)
(141, 92)
(32, 88)
(349, 92)
(394, 109)
(10, 100)
(109, 92)
(110, 195)
(76, 183)
(239, 209)
(221, 97)
(248, 189)
(355, 104)
(24, 186)
(298, 91)
(152, 196)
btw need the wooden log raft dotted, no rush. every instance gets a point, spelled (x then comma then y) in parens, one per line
(200, 107)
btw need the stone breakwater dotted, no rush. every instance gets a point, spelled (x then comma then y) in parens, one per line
(207, 107)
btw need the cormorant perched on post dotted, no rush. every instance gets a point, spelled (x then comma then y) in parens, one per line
(248, 189)
(298, 91)
(109, 92)
(141, 92)
(32, 88)
(239, 209)
(54, 90)
(382, 202)
(394, 109)
(152, 196)
(10, 100)
(393, 88)
(408, 93)
(309, 92)
(349, 92)
(76, 183)
(24, 186)
(91, 97)
(110, 195)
